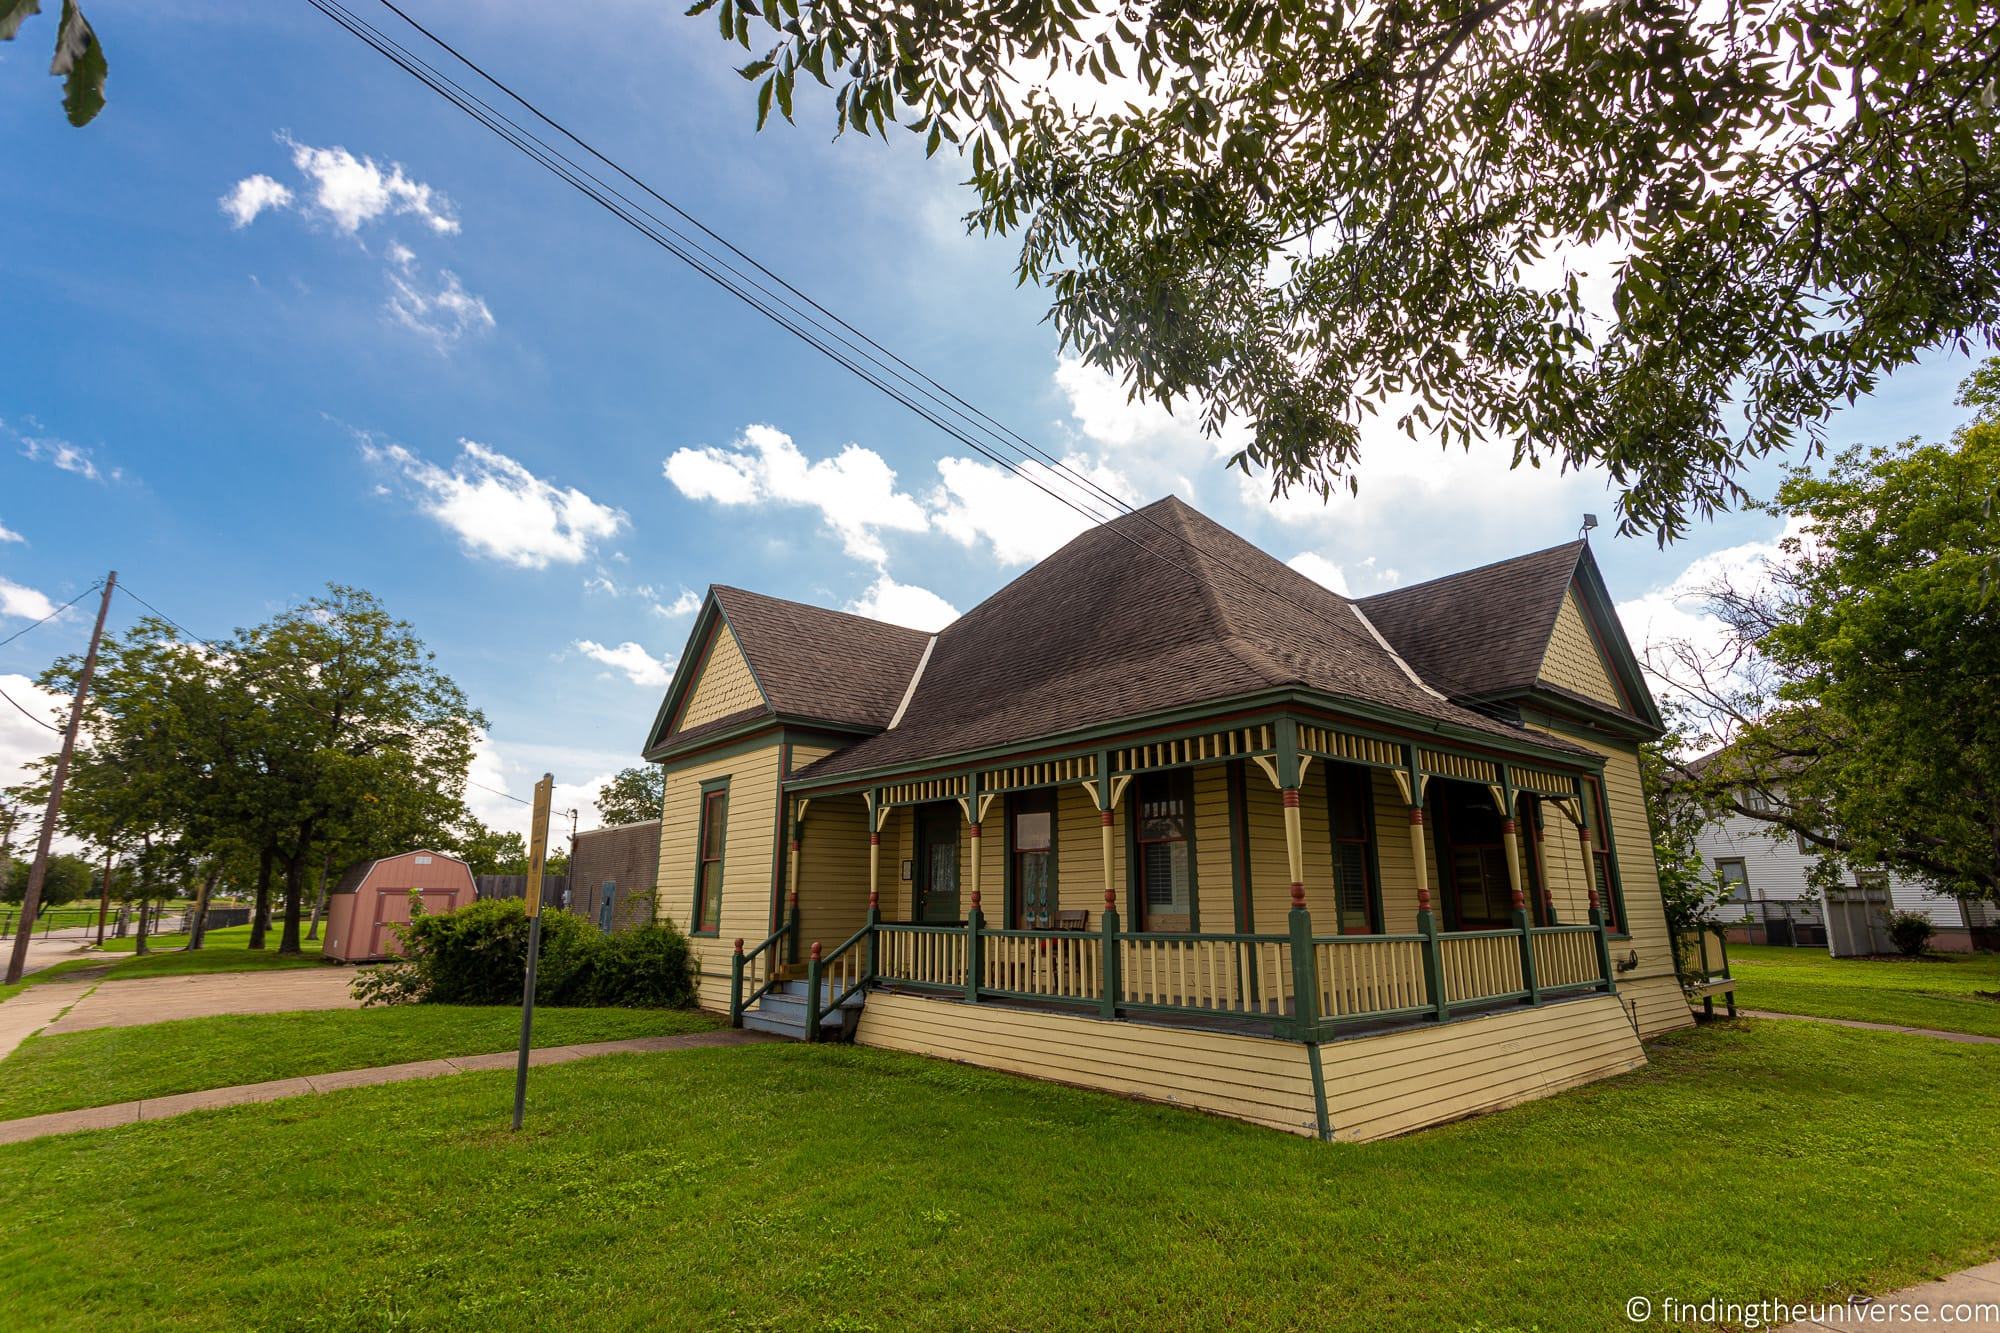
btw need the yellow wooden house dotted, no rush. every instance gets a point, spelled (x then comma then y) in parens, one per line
(1164, 817)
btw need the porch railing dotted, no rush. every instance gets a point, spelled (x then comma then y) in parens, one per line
(1294, 985)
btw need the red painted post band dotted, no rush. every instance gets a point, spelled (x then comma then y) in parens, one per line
(739, 946)
(975, 828)
(874, 898)
(975, 900)
(1104, 816)
(1290, 796)
(1508, 828)
(815, 953)
(1298, 894)
(1416, 814)
(1423, 897)
(874, 840)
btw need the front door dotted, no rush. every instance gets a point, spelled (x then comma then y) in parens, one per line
(934, 886)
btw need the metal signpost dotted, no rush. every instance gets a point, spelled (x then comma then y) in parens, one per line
(538, 847)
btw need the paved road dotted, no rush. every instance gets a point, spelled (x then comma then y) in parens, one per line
(157, 999)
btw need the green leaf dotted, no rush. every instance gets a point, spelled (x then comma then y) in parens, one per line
(80, 61)
(13, 13)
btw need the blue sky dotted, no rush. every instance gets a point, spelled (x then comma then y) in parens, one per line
(403, 357)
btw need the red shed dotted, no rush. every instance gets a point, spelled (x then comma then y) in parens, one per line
(375, 895)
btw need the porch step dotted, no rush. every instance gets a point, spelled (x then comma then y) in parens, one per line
(782, 1012)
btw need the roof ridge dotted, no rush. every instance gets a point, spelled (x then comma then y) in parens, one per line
(815, 607)
(1457, 574)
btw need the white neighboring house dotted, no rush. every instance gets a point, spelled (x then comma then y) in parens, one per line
(1772, 901)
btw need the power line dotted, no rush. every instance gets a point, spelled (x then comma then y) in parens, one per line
(30, 716)
(870, 362)
(53, 614)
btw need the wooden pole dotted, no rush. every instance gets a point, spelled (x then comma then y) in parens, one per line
(538, 850)
(38, 873)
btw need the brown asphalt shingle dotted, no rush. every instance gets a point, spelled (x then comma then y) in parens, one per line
(821, 664)
(1159, 609)
(1483, 631)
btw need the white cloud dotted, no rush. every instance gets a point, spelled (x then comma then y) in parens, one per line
(686, 604)
(1321, 571)
(904, 604)
(63, 456)
(501, 510)
(854, 491)
(339, 188)
(640, 667)
(514, 768)
(1674, 613)
(350, 191)
(20, 600)
(977, 501)
(22, 742)
(251, 196)
(442, 311)
(8, 534)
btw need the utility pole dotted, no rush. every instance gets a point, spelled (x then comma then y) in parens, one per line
(538, 850)
(39, 872)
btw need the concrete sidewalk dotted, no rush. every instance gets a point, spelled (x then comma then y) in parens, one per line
(1969, 1300)
(1963, 1038)
(125, 1003)
(160, 1108)
(35, 1008)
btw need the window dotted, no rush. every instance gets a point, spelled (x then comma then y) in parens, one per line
(1352, 811)
(1733, 874)
(1603, 870)
(1481, 894)
(1163, 829)
(1031, 849)
(1759, 801)
(708, 866)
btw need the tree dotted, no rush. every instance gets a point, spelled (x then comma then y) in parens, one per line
(633, 796)
(1298, 214)
(1858, 695)
(79, 60)
(69, 878)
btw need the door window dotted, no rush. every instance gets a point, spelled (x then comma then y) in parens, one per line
(1163, 833)
(1031, 833)
(937, 864)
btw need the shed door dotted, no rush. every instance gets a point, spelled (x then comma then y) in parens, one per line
(392, 906)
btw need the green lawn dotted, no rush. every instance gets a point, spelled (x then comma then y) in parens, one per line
(787, 1186)
(106, 1065)
(1934, 992)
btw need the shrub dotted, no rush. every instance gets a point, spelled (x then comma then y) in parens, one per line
(475, 955)
(1910, 932)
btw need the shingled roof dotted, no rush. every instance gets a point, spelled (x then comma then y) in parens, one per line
(825, 665)
(1483, 631)
(1159, 609)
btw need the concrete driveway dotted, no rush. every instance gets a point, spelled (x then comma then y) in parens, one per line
(156, 999)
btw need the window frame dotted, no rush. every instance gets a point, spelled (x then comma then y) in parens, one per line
(1135, 878)
(1597, 822)
(1363, 779)
(712, 790)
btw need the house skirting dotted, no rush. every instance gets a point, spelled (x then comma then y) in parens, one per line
(1373, 1086)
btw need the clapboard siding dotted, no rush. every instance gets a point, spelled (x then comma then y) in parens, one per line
(1573, 660)
(1393, 1083)
(726, 685)
(833, 868)
(1249, 1078)
(747, 866)
(1376, 1086)
(1652, 980)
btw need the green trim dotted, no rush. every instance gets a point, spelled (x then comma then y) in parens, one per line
(695, 904)
(798, 728)
(1319, 1093)
(1243, 710)
(748, 735)
(1624, 928)
(1561, 708)
(685, 674)
(781, 844)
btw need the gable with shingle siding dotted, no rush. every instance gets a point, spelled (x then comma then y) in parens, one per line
(725, 685)
(1574, 660)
